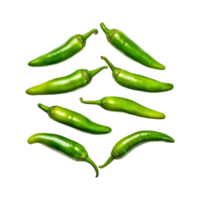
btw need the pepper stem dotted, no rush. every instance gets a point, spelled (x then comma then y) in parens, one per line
(96, 71)
(104, 28)
(107, 32)
(43, 107)
(107, 162)
(87, 35)
(97, 102)
(112, 67)
(89, 160)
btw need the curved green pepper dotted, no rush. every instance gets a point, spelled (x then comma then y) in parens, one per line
(73, 45)
(64, 145)
(74, 119)
(74, 81)
(135, 81)
(126, 105)
(128, 143)
(125, 45)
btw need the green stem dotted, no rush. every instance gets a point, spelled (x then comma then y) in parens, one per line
(107, 32)
(96, 71)
(104, 28)
(97, 102)
(87, 35)
(43, 107)
(90, 74)
(112, 67)
(107, 162)
(93, 164)
(89, 160)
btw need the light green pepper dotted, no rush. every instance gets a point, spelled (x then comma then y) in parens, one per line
(74, 119)
(75, 44)
(78, 79)
(128, 143)
(135, 81)
(129, 48)
(64, 145)
(120, 104)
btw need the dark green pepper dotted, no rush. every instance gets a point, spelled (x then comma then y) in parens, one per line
(125, 45)
(128, 143)
(74, 119)
(126, 105)
(64, 145)
(135, 81)
(75, 44)
(74, 81)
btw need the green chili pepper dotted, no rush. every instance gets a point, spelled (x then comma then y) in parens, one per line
(128, 143)
(64, 145)
(126, 105)
(125, 45)
(135, 81)
(75, 44)
(74, 119)
(74, 81)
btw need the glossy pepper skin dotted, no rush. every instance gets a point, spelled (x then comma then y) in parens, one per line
(125, 45)
(64, 145)
(74, 119)
(135, 81)
(78, 79)
(128, 143)
(73, 45)
(120, 104)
